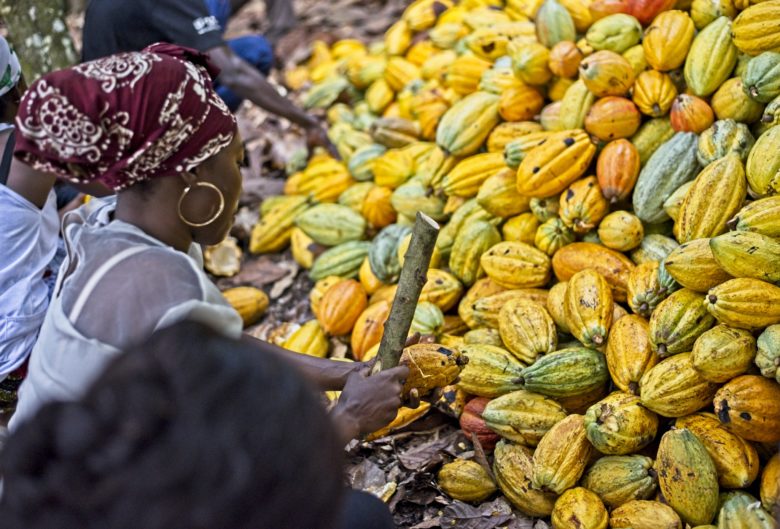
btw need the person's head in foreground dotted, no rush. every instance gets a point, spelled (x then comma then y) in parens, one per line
(149, 125)
(189, 431)
(12, 83)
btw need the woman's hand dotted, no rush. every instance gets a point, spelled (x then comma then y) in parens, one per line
(368, 403)
(317, 137)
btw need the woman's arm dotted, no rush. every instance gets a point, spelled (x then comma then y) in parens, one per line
(328, 375)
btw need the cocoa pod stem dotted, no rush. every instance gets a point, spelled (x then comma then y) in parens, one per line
(410, 283)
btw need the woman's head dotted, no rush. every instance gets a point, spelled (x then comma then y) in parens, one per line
(12, 83)
(190, 430)
(136, 119)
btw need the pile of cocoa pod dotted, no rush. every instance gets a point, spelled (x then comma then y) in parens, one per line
(606, 174)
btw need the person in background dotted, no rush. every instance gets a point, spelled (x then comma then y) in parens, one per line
(149, 125)
(114, 26)
(29, 238)
(257, 50)
(188, 430)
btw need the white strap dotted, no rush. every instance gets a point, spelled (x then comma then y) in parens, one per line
(81, 301)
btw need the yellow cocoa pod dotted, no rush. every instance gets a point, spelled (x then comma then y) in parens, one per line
(491, 371)
(678, 321)
(643, 514)
(619, 424)
(770, 485)
(522, 416)
(513, 468)
(745, 303)
(556, 300)
(716, 195)
(629, 354)
(249, 302)
(589, 307)
(723, 353)
(687, 477)
(485, 336)
(442, 289)
(748, 254)
(521, 228)
(516, 265)
(551, 167)
(735, 460)
(644, 288)
(527, 329)
(484, 311)
(466, 480)
(694, 267)
(309, 339)
(561, 456)
(668, 39)
(674, 388)
(405, 417)
(582, 205)
(430, 366)
(498, 195)
(621, 231)
(579, 508)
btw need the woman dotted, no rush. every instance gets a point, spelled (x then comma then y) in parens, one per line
(32, 250)
(236, 440)
(149, 125)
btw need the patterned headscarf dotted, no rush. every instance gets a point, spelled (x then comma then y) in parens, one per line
(125, 118)
(10, 71)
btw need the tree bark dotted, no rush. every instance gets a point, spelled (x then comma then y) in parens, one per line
(39, 34)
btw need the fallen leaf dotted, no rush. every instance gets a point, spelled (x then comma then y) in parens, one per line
(427, 454)
(366, 475)
(282, 284)
(257, 272)
(486, 516)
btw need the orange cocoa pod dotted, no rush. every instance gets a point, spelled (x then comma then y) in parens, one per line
(520, 103)
(646, 10)
(565, 58)
(617, 169)
(691, 114)
(368, 328)
(613, 117)
(603, 8)
(341, 306)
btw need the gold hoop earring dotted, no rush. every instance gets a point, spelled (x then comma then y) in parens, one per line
(214, 217)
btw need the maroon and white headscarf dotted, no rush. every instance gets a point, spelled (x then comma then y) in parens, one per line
(125, 118)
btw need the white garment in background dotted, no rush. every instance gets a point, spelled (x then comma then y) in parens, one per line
(116, 287)
(28, 239)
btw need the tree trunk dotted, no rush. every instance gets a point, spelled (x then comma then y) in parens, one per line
(39, 34)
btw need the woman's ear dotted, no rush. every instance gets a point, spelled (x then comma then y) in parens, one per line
(189, 177)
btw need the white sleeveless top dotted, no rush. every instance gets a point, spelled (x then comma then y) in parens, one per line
(117, 286)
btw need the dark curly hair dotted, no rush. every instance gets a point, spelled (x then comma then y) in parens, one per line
(190, 430)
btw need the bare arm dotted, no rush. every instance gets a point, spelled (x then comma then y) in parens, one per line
(326, 374)
(242, 78)
(31, 184)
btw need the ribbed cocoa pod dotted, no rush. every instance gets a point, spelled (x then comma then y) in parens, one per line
(629, 355)
(513, 468)
(620, 425)
(527, 329)
(620, 479)
(490, 372)
(579, 508)
(561, 456)
(522, 416)
(642, 514)
(465, 480)
(678, 321)
(674, 388)
(589, 307)
(736, 460)
(687, 477)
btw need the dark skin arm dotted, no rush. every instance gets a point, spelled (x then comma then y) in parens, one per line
(246, 81)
